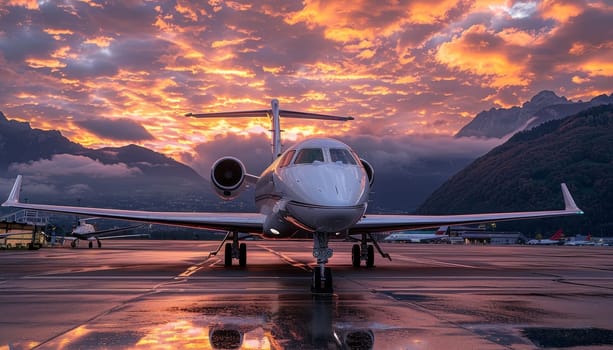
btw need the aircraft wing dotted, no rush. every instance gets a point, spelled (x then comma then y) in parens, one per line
(378, 223)
(4, 235)
(125, 236)
(102, 233)
(243, 222)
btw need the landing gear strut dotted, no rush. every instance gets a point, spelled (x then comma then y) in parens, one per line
(322, 275)
(366, 252)
(232, 250)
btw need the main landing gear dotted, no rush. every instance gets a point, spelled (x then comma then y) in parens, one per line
(366, 252)
(232, 250)
(91, 244)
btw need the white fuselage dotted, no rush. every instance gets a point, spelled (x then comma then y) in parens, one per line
(318, 185)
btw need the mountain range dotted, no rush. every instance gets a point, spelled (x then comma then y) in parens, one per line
(63, 172)
(525, 172)
(543, 107)
(66, 172)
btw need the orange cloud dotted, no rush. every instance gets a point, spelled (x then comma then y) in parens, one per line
(29, 4)
(101, 41)
(428, 12)
(44, 63)
(560, 11)
(480, 51)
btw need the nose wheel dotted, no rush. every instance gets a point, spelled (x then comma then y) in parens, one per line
(322, 275)
(322, 282)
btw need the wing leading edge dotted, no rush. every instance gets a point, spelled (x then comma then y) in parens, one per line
(380, 223)
(243, 222)
(254, 222)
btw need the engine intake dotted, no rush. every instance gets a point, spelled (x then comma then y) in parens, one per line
(370, 171)
(228, 177)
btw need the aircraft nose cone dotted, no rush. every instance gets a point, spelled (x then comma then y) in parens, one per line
(327, 197)
(330, 185)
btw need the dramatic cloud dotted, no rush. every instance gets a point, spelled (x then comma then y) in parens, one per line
(105, 73)
(116, 129)
(68, 165)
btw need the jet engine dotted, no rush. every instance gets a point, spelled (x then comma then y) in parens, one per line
(370, 171)
(228, 177)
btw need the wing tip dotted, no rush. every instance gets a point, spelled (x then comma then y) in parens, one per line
(14, 195)
(569, 202)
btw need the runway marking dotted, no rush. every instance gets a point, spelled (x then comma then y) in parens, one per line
(192, 269)
(60, 277)
(287, 259)
(436, 262)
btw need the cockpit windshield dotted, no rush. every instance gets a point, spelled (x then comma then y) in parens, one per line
(309, 155)
(341, 155)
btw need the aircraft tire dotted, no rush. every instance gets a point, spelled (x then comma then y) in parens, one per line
(328, 281)
(316, 286)
(73, 244)
(370, 260)
(242, 257)
(228, 255)
(316, 283)
(355, 255)
(91, 244)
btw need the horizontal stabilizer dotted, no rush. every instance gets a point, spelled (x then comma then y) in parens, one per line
(260, 113)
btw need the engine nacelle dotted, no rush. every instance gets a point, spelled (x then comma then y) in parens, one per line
(228, 177)
(370, 171)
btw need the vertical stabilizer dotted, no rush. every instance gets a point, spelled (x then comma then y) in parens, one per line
(558, 235)
(275, 121)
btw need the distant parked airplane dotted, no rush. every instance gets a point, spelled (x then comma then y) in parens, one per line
(87, 232)
(440, 236)
(556, 239)
(586, 241)
(319, 186)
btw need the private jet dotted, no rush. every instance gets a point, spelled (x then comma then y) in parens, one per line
(556, 239)
(319, 186)
(440, 236)
(87, 232)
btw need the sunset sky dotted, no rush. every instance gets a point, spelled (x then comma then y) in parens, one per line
(110, 73)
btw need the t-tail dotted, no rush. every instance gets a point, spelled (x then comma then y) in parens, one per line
(274, 114)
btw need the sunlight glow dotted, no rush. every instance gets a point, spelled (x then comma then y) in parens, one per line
(420, 67)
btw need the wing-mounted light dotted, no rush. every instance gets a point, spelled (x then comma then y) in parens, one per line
(228, 177)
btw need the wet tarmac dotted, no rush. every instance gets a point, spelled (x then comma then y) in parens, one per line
(170, 295)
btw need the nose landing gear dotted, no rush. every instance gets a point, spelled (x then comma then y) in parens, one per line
(322, 275)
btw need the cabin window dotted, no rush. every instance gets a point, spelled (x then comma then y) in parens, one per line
(309, 155)
(341, 155)
(287, 158)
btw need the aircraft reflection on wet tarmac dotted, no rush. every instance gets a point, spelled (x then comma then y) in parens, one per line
(282, 325)
(302, 321)
(147, 295)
